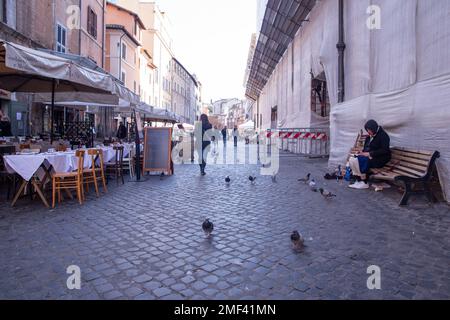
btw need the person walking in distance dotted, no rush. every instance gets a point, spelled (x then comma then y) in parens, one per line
(235, 136)
(224, 135)
(203, 142)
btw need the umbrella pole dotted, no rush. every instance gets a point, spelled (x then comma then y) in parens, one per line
(138, 149)
(51, 110)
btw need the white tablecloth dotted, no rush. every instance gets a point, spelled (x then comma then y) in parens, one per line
(26, 165)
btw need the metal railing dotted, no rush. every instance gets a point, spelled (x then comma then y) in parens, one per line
(311, 142)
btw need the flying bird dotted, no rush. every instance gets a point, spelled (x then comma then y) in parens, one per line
(207, 227)
(305, 179)
(252, 179)
(227, 180)
(326, 194)
(297, 240)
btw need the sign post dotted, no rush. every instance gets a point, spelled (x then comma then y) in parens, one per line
(137, 140)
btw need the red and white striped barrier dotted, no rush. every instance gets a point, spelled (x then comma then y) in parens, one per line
(298, 135)
(286, 135)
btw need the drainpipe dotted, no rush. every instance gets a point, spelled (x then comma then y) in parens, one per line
(341, 48)
(120, 57)
(103, 35)
(55, 30)
(80, 33)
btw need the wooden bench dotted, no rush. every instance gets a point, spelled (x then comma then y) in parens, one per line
(409, 166)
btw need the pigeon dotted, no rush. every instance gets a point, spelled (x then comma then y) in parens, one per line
(312, 185)
(207, 227)
(227, 180)
(326, 194)
(252, 179)
(297, 240)
(306, 179)
(161, 176)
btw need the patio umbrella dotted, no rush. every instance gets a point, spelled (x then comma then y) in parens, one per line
(24, 69)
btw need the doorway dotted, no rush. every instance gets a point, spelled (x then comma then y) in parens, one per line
(320, 100)
(274, 118)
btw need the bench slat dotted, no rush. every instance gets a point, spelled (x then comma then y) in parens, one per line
(406, 159)
(402, 166)
(411, 154)
(384, 176)
(402, 172)
(422, 152)
(420, 168)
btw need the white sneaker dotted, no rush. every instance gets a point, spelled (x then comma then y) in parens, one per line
(354, 185)
(360, 185)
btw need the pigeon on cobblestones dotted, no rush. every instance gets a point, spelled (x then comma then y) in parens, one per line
(207, 227)
(305, 179)
(161, 177)
(312, 185)
(326, 194)
(227, 180)
(252, 179)
(297, 240)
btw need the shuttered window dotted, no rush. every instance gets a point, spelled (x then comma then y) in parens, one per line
(92, 23)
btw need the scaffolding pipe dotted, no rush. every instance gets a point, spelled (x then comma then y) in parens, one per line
(341, 48)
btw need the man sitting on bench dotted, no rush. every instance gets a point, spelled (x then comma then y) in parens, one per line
(376, 154)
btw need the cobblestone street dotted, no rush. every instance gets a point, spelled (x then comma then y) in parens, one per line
(145, 241)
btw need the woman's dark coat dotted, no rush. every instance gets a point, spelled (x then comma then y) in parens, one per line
(379, 149)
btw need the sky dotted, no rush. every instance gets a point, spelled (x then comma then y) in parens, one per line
(211, 38)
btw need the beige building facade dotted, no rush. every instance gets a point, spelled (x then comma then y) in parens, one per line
(123, 50)
(157, 41)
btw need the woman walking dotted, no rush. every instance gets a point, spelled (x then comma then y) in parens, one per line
(204, 143)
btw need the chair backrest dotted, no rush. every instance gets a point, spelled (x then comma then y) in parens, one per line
(80, 155)
(24, 146)
(119, 154)
(96, 154)
(61, 147)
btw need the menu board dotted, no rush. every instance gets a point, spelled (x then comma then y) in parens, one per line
(158, 150)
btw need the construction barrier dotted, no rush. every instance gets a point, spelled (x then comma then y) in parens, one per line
(312, 142)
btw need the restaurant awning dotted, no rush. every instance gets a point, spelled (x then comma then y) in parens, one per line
(24, 69)
(282, 19)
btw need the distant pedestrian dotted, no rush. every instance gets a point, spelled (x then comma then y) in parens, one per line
(203, 142)
(122, 131)
(235, 135)
(5, 126)
(224, 135)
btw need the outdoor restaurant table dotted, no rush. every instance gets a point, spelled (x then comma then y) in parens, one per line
(36, 168)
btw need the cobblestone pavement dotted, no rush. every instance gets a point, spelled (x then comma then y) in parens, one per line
(144, 240)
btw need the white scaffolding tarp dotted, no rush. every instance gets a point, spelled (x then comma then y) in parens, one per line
(398, 75)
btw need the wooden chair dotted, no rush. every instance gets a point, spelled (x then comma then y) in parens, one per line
(95, 173)
(128, 162)
(23, 146)
(10, 178)
(116, 166)
(61, 148)
(70, 181)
